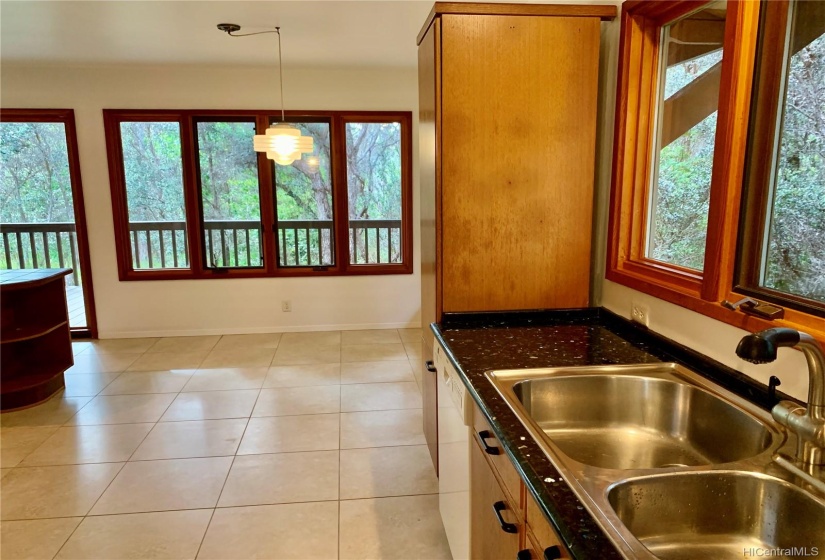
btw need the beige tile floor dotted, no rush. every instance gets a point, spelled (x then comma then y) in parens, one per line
(302, 445)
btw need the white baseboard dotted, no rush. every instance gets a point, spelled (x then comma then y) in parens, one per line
(255, 330)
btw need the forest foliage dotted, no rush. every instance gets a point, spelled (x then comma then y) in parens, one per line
(794, 261)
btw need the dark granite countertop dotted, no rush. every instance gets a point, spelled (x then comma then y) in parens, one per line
(478, 342)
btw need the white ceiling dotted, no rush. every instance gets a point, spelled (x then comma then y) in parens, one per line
(314, 33)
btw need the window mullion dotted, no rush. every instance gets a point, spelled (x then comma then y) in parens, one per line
(729, 160)
(340, 198)
(266, 188)
(191, 196)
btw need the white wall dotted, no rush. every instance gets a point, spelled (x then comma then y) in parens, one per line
(188, 307)
(710, 337)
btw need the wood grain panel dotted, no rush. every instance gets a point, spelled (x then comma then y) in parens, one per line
(605, 11)
(543, 533)
(519, 147)
(429, 401)
(487, 540)
(428, 92)
(500, 463)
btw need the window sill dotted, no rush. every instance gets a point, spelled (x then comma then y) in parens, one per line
(815, 326)
(361, 270)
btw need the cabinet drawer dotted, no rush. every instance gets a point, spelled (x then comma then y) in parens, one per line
(544, 535)
(495, 454)
(496, 528)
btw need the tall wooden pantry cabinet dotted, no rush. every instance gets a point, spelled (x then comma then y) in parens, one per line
(507, 101)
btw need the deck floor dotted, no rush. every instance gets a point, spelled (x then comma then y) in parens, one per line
(77, 306)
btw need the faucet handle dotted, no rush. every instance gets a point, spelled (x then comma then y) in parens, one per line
(773, 383)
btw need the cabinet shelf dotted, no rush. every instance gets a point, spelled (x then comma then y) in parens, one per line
(34, 335)
(29, 332)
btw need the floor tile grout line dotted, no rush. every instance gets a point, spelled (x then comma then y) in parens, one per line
(19, 466)
(85, 515)
(226, 478)
(57, 553)
(234, 506)
(119, 513)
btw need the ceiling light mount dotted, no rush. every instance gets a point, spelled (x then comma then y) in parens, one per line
(229, 28)
(283, 142)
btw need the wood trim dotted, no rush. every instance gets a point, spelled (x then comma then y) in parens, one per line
(604, 12)
(730, 147)
(194, 212)
(191, 195)
(768, 85)
(66, 116)
(340, 193)
(439, 156)
(266, 188)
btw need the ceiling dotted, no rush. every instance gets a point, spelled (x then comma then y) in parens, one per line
(314, 33)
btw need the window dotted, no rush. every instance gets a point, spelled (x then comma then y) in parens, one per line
(153, 173)
(229, 194)
(303, 197)
(193, 200)
(719, 158)
(374, 191)
(687, 100)
(782, 248)
(42, 217)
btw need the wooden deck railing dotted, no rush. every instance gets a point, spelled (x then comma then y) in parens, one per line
(45, 245)
(229, 243)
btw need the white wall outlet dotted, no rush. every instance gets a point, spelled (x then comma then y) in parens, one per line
(286, 306)
(640, 313)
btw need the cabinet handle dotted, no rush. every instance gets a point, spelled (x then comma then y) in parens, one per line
(524, 554)
(430, 366)
(488, 449)
(498, 507)
(552, 553)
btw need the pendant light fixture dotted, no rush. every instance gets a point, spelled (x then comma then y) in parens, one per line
(283, 142)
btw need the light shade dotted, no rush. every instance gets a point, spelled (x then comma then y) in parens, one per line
(283, 143)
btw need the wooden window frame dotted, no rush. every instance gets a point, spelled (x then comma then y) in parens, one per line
(634, 142)
(765, 118)
(66, 116)
(188, 120)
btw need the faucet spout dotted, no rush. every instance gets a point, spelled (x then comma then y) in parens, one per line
(807, 423)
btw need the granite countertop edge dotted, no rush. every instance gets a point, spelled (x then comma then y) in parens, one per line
(466, 335)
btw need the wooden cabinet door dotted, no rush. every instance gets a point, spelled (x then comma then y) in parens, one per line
(488, 539)
(429, 396)
(518, 131)
(545, 537)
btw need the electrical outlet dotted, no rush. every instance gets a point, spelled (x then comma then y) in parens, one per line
(640, 313)
(286, 306)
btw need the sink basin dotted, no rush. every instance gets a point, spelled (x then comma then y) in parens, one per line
(719, 514)
(639, 422)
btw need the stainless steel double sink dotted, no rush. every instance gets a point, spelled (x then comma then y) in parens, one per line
(669, 464)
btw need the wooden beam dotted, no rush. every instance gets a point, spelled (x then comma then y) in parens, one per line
(697, 100)
(691, 104)
(809, 24)
(692, 38)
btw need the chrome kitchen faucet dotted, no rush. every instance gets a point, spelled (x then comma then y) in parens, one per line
(808, 424)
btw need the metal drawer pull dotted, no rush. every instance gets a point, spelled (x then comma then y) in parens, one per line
(552, 553)
(524, 555)
(498, 507)
(430, 366)
(488, 449)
